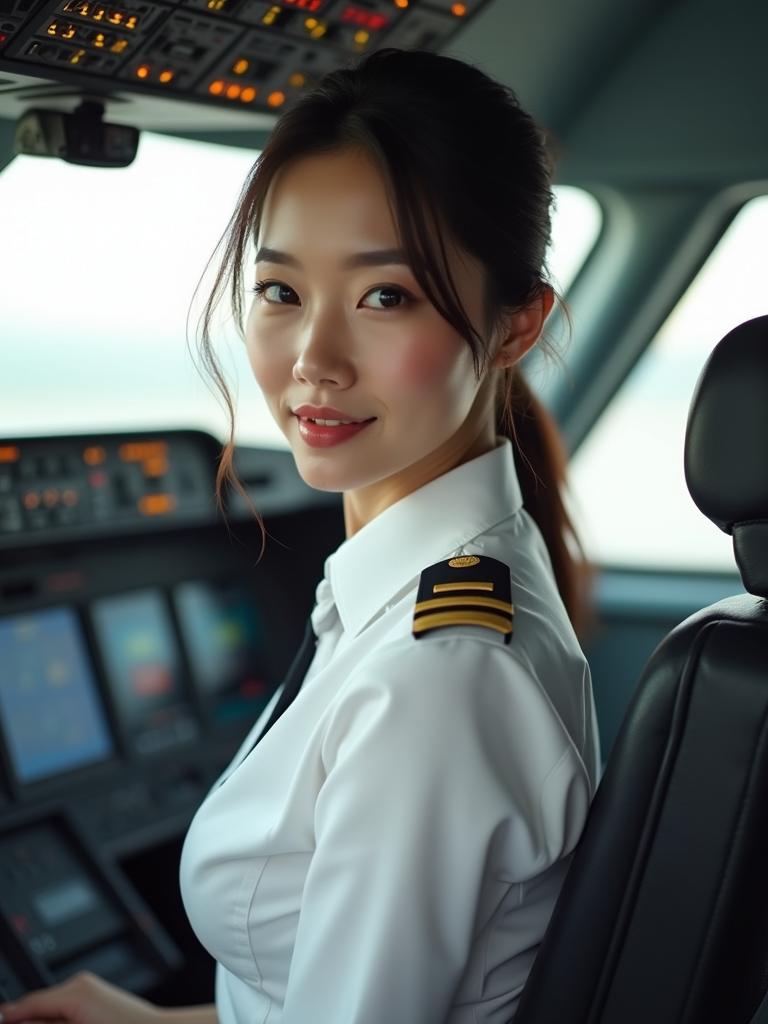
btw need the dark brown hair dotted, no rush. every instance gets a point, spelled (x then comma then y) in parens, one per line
(466, 165)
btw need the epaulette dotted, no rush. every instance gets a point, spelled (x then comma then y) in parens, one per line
(465, 591)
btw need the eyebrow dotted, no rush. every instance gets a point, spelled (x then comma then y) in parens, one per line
(371, 258)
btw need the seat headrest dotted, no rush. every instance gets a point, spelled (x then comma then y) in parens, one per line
(726, 444)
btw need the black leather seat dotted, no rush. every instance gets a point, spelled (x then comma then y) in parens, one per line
(663, 918)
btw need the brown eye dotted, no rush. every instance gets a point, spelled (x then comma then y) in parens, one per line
(275, 292)
(385, 297)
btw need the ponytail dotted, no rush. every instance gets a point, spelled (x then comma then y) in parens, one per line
(541, 463)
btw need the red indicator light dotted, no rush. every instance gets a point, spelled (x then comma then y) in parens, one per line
(304, 5)
(31, 500)
(98, 479)
(20, 923)
(365, 19)
(2, 37)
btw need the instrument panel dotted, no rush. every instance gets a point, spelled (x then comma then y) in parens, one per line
(244, 54)
(136, 652)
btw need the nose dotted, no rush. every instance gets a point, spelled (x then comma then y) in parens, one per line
(324, 358)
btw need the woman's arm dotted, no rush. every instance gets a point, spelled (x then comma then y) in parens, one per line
(86, 999)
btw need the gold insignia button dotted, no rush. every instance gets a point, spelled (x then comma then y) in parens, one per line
(464, 561)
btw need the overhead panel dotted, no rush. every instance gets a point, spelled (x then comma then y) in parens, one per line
(248, 54)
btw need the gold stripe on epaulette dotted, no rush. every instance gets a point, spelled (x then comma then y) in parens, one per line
(462, 618)
(452, 602)
(440, 588)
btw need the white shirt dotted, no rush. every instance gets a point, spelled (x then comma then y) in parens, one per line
(390, 853)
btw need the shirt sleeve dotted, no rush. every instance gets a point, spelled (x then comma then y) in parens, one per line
(436, 752)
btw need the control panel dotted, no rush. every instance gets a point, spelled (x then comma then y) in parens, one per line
(136, 652)
(62, 488)
(250, 54)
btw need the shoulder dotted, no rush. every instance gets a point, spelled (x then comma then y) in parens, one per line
(467, 590)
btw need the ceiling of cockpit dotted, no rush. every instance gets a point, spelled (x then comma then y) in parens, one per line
(637, 90)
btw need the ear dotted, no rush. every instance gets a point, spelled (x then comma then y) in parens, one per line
(522, 330)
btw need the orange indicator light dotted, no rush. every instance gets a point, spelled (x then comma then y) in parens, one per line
(115, 17)
(142, 71)
(51, 30)
(99, 12)
(402, 4)
(9, 453)
(166, 76)
(240, 67)
(248, 95)
(233, 91)
(155, 466)
(311, 23)
(132, 22)
(271, 15)
(94, 455)
(362, 37)
(99, 39)
(459, 10)
(216, 88)
(70, 497)
(276, 99)
(77, 57)
(140, 451)
(31, 500)
(51, 497)
(297, 79)
(68, 32)
(119, 46)
(157, 504)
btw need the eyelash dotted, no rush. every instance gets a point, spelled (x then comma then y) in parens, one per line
(261, 287)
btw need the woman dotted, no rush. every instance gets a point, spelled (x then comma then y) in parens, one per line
(392, 848)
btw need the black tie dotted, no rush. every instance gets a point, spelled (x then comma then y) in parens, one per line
(294, 678)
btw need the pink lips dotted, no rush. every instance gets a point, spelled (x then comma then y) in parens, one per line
(335, 427)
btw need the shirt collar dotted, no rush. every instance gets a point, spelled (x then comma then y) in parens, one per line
(369, 569)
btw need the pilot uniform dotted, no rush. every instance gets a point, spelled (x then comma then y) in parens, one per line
(391, 851)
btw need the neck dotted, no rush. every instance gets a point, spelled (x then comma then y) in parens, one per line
(475, 437)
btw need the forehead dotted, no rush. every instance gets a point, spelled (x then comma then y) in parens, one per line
(328, 194)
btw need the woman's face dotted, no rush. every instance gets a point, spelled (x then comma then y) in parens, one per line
(373, 389)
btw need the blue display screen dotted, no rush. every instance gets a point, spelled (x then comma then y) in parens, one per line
(143, 668)
(227, 649)
(52, 716)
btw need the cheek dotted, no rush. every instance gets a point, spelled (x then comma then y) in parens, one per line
(427, 364)
(265, 354)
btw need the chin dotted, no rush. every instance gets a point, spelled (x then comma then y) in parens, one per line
(332, 474)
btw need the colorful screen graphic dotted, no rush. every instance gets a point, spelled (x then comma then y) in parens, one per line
(142, 664)
(51, 710)
(227, 649)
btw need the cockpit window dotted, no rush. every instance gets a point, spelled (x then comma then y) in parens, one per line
(98, 270)
(627, 477)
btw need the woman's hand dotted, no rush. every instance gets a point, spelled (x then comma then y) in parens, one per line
(83, 999)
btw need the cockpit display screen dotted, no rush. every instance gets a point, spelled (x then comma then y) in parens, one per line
(226, 643)
(52, 716)
(144, 670)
